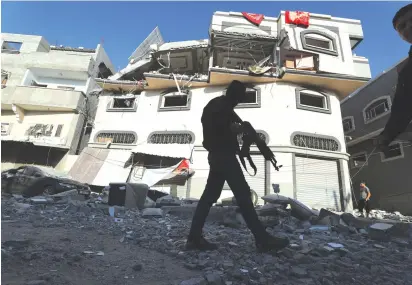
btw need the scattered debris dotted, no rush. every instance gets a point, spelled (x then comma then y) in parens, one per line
(315, 250)
(335, 245)
(152, 212)
(137, 267)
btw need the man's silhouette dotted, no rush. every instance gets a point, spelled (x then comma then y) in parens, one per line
(220, 140)
(401, 111)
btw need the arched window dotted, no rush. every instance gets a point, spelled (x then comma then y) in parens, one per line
(319, 41)
(171, 137)
(348, 124)
(377, 108)
(315, 142)
(116, 137)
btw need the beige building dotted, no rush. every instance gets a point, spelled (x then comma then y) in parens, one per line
(46, 106)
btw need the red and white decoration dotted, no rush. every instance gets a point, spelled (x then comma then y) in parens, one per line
(297, 18)
(254, 18)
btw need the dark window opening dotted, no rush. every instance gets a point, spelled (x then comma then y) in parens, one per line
(359, 160)
(58, 130)
(104, 72)
(171, 138)
(34, 83)
(347, 125)
(377, 108)
(13, 46)
(325, 44)
(175, 101)
(312, 100)
(123, 103)
(40, 130)
(121, 138)
(393, 151)
(250, 97)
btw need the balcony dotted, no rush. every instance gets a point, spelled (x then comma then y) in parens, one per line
(45, 99)
(52, 60)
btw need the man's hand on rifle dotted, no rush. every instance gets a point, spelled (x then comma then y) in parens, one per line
(237, 128)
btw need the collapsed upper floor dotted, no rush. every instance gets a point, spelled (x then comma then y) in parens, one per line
(302, 48)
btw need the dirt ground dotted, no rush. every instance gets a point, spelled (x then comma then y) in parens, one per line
(56, 256)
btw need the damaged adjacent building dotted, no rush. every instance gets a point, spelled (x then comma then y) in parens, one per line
(47, 112)
(297, 66)
(364, 116)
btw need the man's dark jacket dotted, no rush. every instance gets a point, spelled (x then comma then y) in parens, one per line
(217, 118)
(401, 111)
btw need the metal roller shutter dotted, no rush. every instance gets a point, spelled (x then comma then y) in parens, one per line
(317, 182)
(257, 182)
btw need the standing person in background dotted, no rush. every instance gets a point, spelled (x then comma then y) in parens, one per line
(401, 110)
(363, 203)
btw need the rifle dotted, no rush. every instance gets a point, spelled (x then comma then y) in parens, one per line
(249, 137)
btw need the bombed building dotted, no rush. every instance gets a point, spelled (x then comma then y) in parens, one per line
(297, 66)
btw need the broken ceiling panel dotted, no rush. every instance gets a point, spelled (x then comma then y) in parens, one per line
(131, 68)
(155, 37)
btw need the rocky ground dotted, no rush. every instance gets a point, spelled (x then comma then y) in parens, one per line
(76, 242)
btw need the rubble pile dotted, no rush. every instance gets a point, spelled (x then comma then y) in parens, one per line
(379, 214)
(325, 247)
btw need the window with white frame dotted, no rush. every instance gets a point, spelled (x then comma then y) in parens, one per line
(348, 124)
(122, 104)
(377, 108)
(359, 160)
(174, 102)
(394, 151)
(312, 101)
(319, 41)
(116, 137)
(252, 99)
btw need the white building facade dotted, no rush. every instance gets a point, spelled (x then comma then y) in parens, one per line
(45, 101)
(292, 101)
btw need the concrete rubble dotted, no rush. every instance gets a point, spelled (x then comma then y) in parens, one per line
(325, 247)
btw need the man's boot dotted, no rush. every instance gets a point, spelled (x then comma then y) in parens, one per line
(270, 242)
(200, 244)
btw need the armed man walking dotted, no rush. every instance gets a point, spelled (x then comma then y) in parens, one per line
(364, 197)
(401, 111)
(220, 140)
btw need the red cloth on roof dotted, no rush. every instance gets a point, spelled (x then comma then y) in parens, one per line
(254, 18)
(297, 18)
